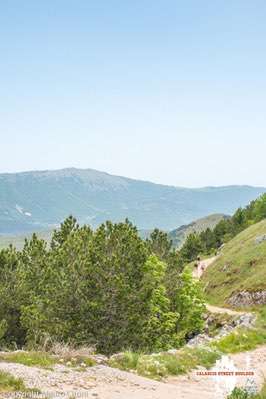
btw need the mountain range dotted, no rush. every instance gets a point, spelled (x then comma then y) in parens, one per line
(40, 200)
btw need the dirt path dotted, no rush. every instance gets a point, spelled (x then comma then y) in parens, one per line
(197, 273)
(215, 309)
(202, 266)
(106, 383)
(96, 382)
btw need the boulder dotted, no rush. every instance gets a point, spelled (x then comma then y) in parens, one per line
(260, 239)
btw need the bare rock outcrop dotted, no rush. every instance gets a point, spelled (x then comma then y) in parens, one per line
(247, 298)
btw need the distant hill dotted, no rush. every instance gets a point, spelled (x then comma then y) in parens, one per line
(178, 236)
(18, 240)
(40, 200)
(238, 276)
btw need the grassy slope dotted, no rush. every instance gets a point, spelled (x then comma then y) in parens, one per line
(241, 266)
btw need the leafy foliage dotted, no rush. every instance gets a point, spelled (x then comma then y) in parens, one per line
(242, 393)
(189, 303)
(239, 393)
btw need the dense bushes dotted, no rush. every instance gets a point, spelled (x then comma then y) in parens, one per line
(106, 288)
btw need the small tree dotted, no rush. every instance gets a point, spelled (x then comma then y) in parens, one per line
(160, 322)
(10, 303)
(189, 303)
(66, 228)
(159, 244)
(192, 248)
(260, 208)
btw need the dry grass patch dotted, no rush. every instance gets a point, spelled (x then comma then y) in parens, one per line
(8, 383)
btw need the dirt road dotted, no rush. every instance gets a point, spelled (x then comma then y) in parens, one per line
(106, 383)
(197, 273)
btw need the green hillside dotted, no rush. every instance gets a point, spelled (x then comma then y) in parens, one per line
(240, 267)
(178, 236)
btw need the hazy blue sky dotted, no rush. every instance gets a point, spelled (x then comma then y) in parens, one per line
(163, 90)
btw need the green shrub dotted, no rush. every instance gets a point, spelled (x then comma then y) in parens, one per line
(3, 329)
(125, 361)
(241, 340)
(241, 393)
(151, 366)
